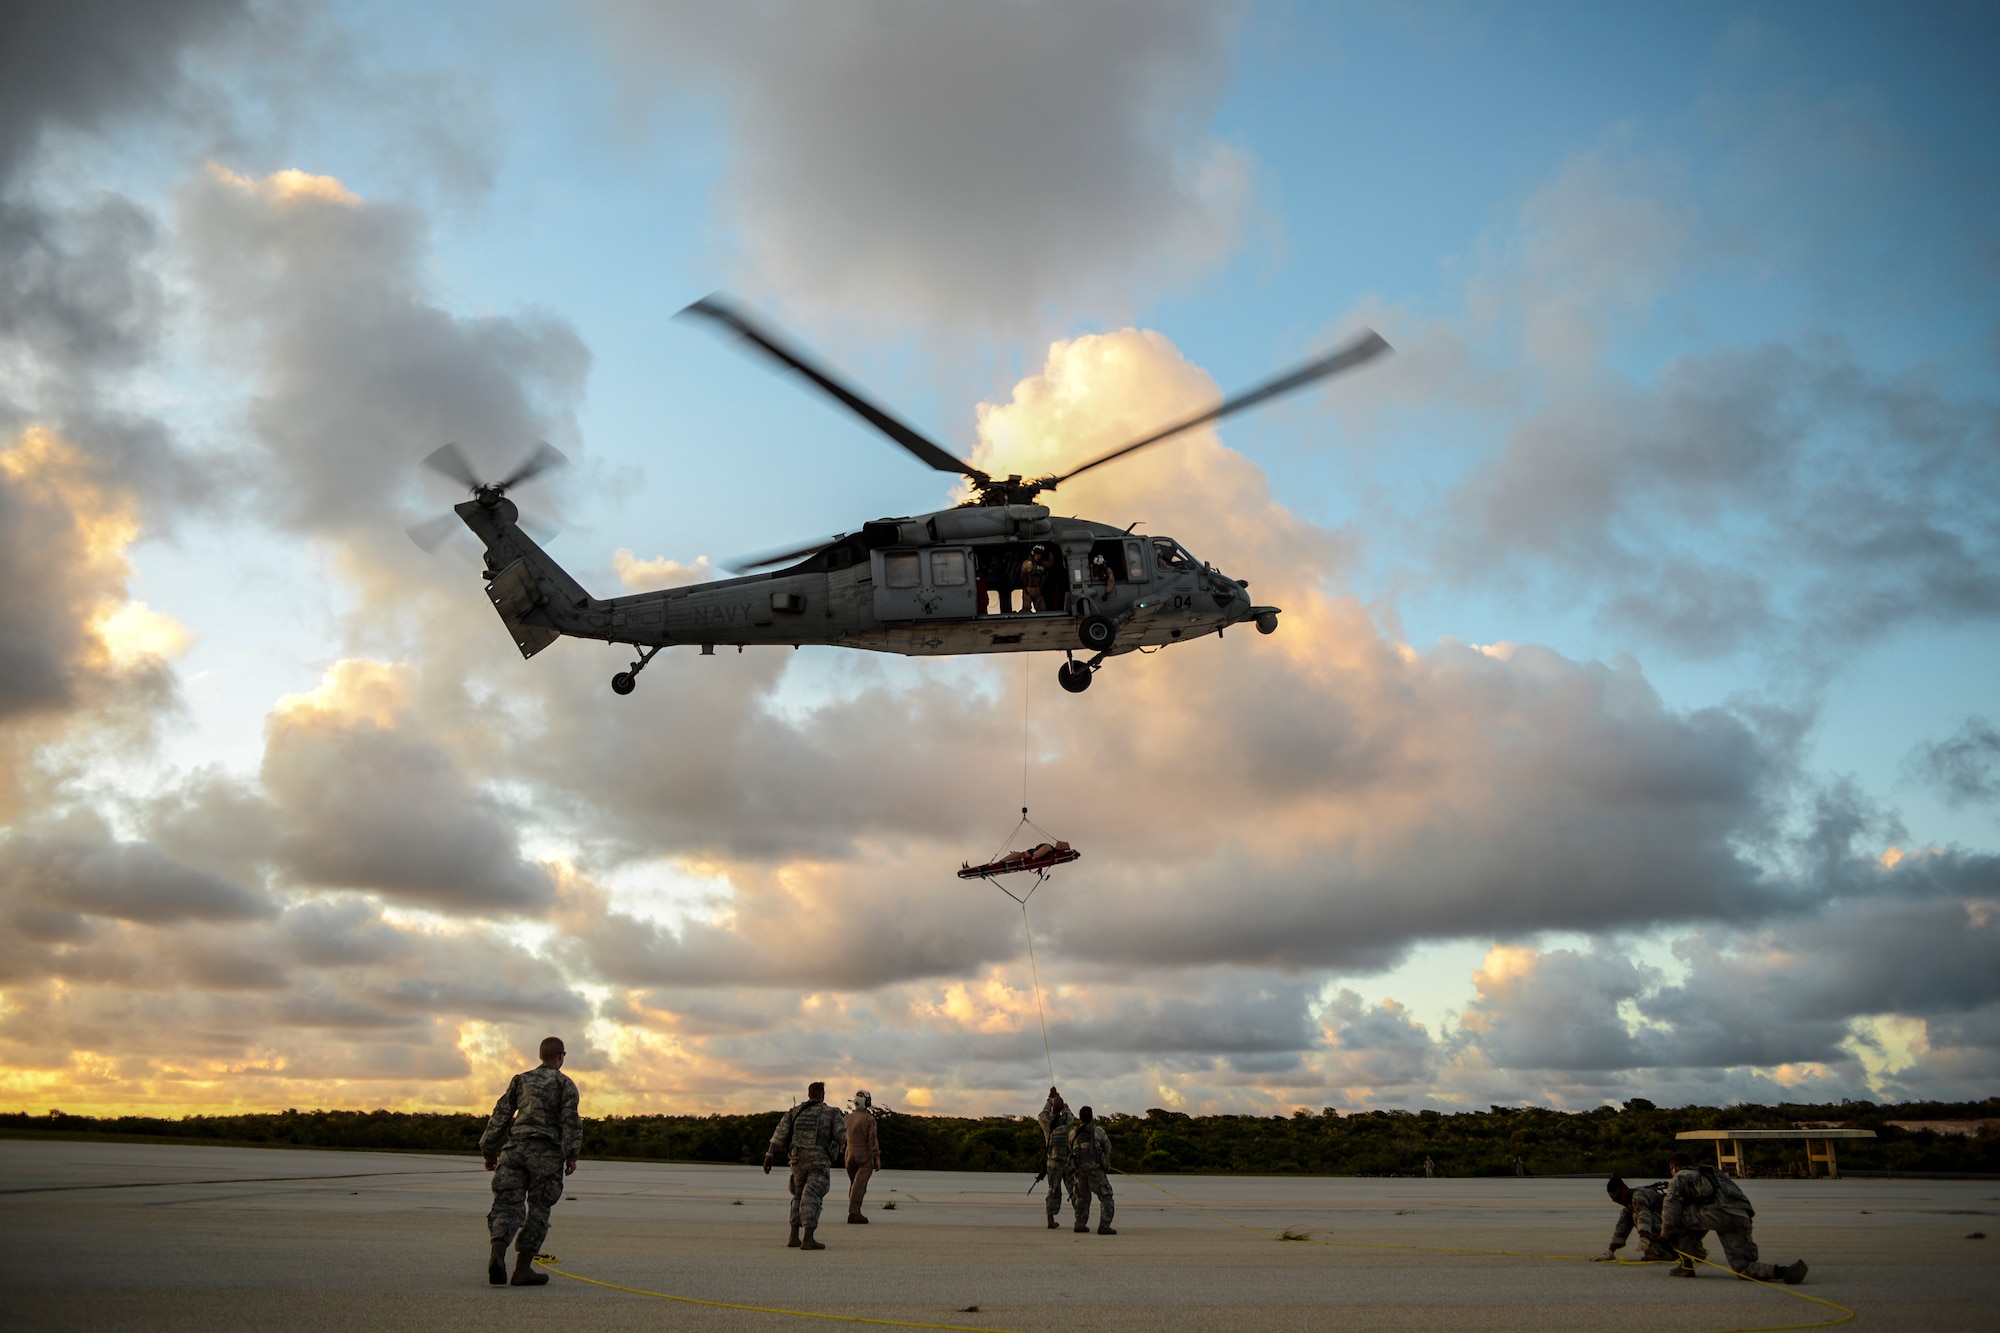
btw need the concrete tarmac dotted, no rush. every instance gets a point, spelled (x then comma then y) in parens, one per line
(116, 1235)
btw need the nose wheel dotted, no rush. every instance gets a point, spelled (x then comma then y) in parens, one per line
(1074, 676)
(627, 681)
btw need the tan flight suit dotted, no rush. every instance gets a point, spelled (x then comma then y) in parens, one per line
(864, 1157)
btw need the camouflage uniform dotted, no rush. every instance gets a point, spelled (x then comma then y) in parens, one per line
(1056, 1121)
(1089, 1155)
(533, 1132)
(1643, 1212)
(816, 1134)
(1700, 1199)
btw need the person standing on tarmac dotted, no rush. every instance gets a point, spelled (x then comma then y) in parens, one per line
(531, 1142)
(815, 1134)
(1056, 1121)
(864, 1152)
(1701, 1199)
(1089, 1160)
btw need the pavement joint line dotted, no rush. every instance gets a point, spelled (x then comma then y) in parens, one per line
(240, 1180)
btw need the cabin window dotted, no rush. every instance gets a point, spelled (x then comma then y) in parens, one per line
(901, 569)
(1170, 555)
(947, 569)
(1135, 562)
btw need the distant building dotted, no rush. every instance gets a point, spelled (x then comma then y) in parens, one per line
(1966, 1128)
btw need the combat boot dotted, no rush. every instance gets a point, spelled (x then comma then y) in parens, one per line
(854, 1215)
(1793, 1273)
(526, 1274)
(1682, 1270)
(1104, 1229)
(1053, 1224)
(809, 1243)
(793, 1243)
(1081, 1227)
(496, 1264)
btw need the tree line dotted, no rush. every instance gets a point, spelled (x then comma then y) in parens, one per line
(1632, 1140)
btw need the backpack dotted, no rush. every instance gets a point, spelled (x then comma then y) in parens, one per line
(1728, 1193)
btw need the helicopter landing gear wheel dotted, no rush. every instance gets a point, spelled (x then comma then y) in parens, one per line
(1073, 676)
(1097, 632)
(627, 681)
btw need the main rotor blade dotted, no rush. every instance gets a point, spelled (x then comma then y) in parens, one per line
(546, 456)
(1365, 348)
(451, 461)
(746, 563)
(928, 450)
(430, 533)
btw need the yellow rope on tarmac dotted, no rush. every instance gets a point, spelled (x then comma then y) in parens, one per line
(550, 1262)
(1845, 1313)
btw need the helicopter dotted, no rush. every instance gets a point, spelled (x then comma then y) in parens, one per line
(998, 573)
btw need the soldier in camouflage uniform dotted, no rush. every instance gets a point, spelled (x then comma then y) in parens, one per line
(531, 1142)
(816, 1134)
(1701, 1199)
(1640, 1208)
(1089, 1158)
(1055, 1121)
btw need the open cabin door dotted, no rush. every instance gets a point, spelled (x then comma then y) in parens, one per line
(927, 583)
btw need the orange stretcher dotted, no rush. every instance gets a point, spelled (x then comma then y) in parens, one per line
(1041, 857)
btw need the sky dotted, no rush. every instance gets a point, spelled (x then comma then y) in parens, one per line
(1630, 730)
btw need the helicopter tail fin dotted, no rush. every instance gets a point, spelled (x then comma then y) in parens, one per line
(537, 599)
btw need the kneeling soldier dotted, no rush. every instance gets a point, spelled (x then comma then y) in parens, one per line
(1089, 1155)
(1640, 1208)
(530, 1144)
(1701, 1199)
(816, 1134)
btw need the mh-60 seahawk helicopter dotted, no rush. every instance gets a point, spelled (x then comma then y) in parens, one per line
(996, 574)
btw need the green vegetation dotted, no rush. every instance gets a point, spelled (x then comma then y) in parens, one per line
(1633, 1141)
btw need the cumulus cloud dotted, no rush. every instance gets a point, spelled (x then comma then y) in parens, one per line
(659, 572)
(88, 872)
(1964, 768)
(368, 802)
(358, 372)
(1786, 496)
(82, 64)
(963, 165)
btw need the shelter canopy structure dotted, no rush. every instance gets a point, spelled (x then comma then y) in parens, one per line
(1729, 1152)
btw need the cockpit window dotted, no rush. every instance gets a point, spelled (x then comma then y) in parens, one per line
(1167, 554)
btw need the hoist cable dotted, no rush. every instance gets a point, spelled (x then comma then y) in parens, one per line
(1035, 973)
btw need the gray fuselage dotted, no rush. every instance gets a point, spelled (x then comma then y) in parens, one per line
(969, 580)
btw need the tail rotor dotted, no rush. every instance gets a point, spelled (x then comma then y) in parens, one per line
(449, 461)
